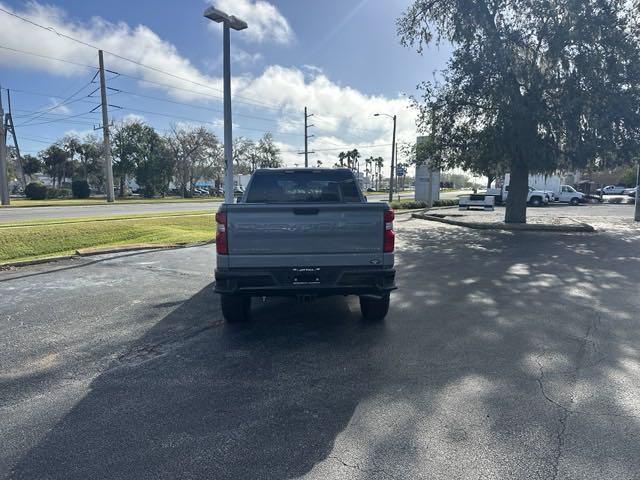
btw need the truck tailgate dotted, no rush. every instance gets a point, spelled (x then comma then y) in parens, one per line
(311, 234)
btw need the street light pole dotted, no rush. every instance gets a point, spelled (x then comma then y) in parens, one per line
(393, 161)
(228, 134)
(228, 22)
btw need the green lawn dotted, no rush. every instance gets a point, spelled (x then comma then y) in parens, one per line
(65, 236)
(58, 202)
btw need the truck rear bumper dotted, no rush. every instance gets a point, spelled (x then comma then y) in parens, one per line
(323, 281)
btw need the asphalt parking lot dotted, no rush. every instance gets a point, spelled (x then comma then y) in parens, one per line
(504, 355)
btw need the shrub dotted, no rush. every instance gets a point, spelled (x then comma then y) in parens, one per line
(58, 193)
(148, 191)
(35, 191)
(80, 189)
(413, 204)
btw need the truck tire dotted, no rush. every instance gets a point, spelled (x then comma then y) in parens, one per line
(574, 201)
(235, 308)
(373, 309)
(535, 201)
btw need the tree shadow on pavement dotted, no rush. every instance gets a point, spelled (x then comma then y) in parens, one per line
(504, 356)
(197, 398)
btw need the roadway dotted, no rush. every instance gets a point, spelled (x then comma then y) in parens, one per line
(73, 211)
(504, 355)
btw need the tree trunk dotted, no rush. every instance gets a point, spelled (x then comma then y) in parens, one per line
(121, 186)
(490, 179)
(516, 211)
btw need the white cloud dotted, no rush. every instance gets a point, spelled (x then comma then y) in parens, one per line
(137, 43)
(343, 116)
(133, 118)
(57, 107)
(265, 21)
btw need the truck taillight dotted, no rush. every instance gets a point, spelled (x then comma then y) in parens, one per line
(389, 237)
(222, 247)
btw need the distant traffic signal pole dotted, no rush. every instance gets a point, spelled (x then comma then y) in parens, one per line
(228, 22)
(393, 153)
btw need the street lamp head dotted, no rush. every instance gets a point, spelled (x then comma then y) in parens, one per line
(376, 114)
(212, 13)
(218, 16)
(236, 23)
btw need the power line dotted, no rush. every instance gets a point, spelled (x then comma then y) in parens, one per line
(135, 62)
(237, 98)
(200, 107)
(189, 119)
(24, 52)
(52, 121)
(343, 147)
(66, 101)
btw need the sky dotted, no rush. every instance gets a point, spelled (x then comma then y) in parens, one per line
(340, 58)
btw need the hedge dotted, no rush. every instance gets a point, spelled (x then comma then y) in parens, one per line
(413, 204)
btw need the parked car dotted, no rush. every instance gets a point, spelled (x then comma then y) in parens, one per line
(612, 190)
(570, 195)
(304, 233)
(631, 192)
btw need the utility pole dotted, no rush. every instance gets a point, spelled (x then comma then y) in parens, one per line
(306, 138)
(636, 217)
(4, 184)
(106, 145)
(11, 127)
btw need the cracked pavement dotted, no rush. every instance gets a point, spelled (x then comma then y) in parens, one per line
(504, 355)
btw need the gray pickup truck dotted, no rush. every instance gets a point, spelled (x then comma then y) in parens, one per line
(304, 233)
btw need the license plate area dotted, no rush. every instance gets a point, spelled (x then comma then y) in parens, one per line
(305, 276)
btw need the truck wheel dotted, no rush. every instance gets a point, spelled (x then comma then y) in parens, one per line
(574, 201)
(235, 308)
(374, 308)
(536, 201)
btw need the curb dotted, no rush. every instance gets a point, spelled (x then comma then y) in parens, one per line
(88, 252)
(580, 227)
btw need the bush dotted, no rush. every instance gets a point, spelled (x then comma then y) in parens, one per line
(58, 193)
(80, 189)
(148, 191)
(35, 191)
(413, 204)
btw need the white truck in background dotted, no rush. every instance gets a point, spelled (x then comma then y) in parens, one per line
(550, 187)
(535, 198)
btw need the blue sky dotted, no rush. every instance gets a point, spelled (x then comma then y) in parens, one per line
(341, 58)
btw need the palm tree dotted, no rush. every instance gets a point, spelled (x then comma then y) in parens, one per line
(354, 155)
(367, 169)
(341, 157)
(379, 163)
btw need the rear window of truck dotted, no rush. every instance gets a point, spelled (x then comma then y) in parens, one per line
(309, 186)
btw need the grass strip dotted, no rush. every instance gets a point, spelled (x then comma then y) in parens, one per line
(60, 202)
(101, 218)
(41, 241)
